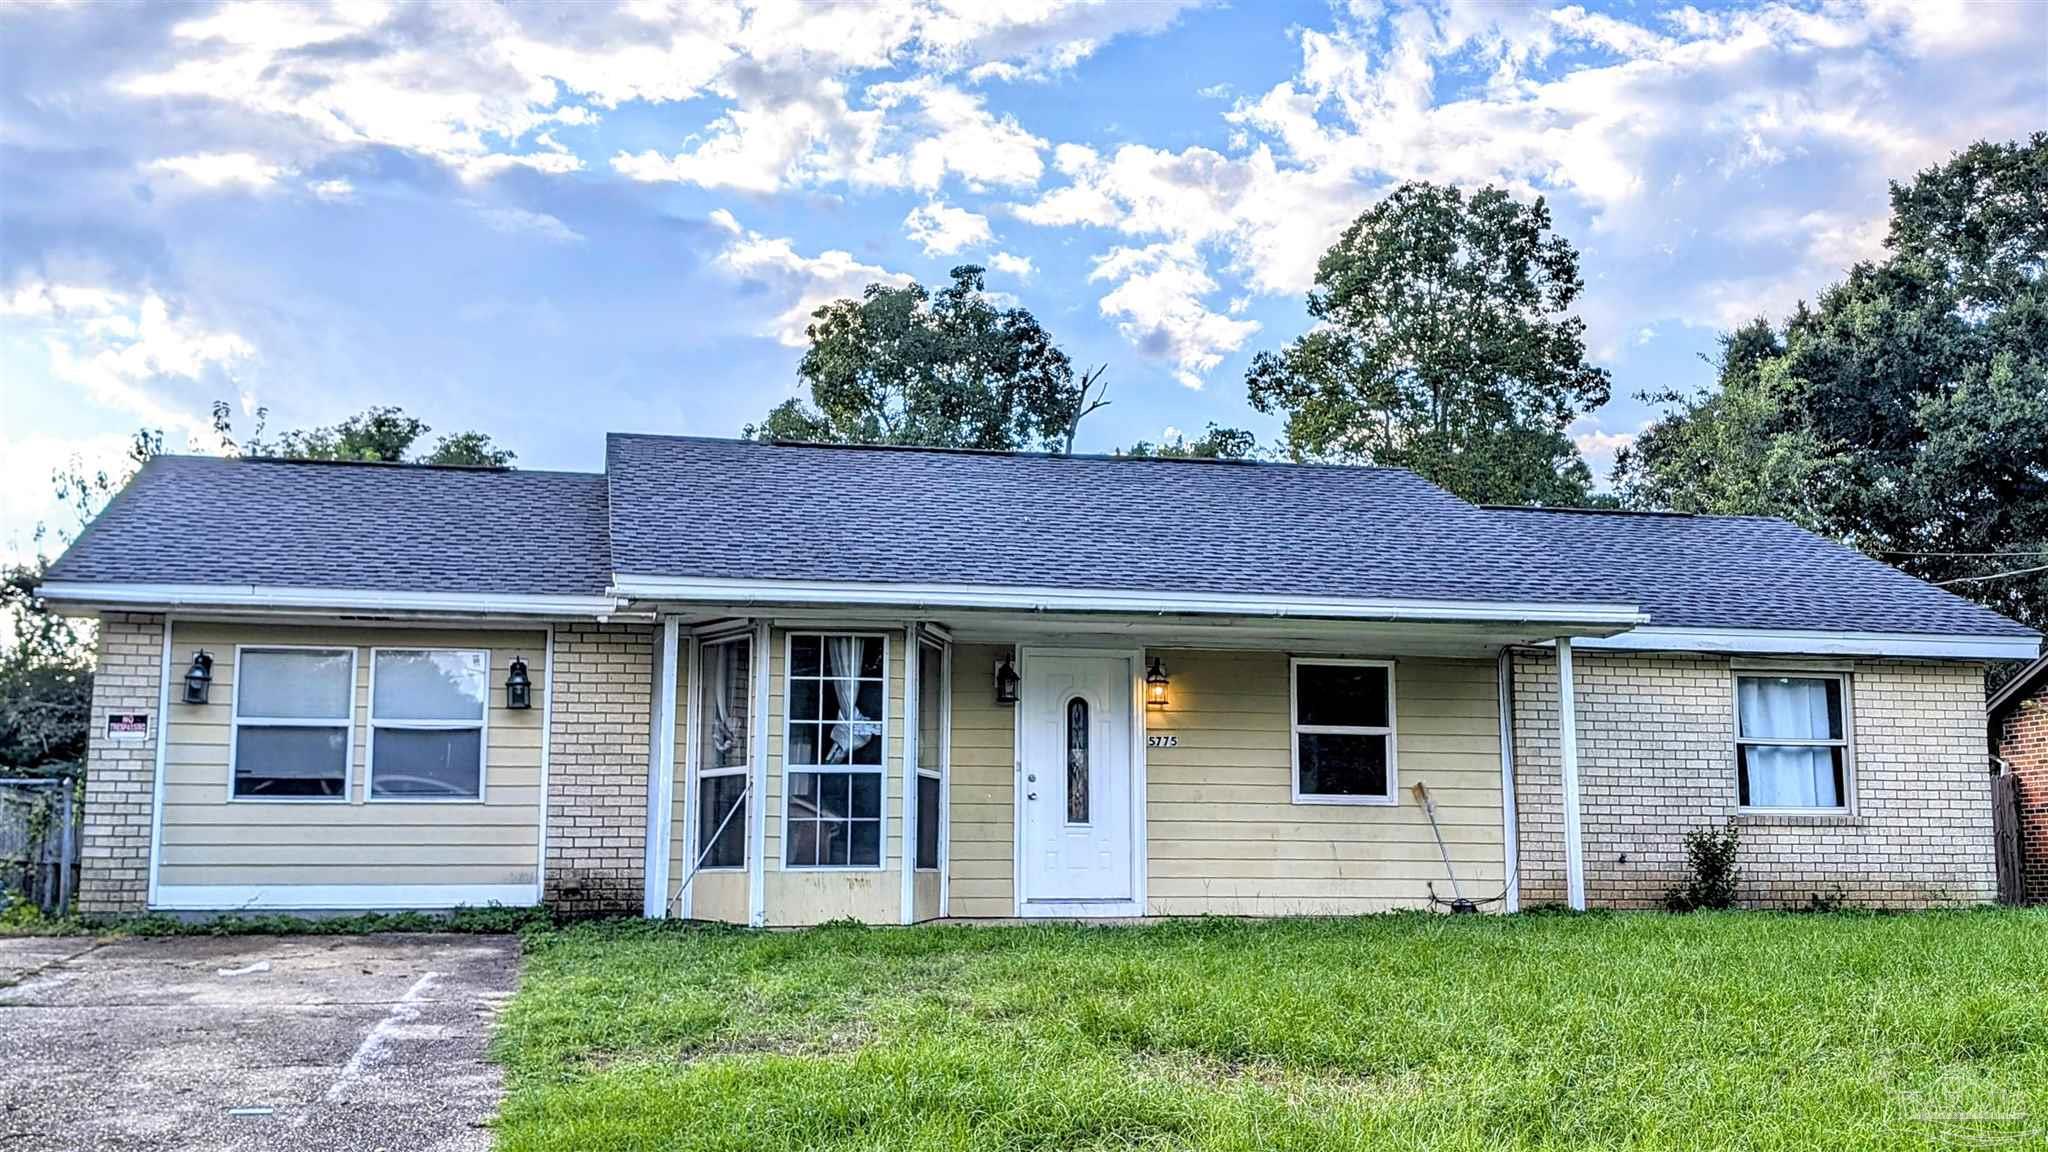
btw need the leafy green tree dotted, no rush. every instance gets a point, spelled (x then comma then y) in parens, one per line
(1444, 342)
(945, 369)
(1215, 443)
(375, 434)
(1907, 412)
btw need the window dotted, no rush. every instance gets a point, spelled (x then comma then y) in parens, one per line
(1343, 732)
(293, 715)
(1077, 761)
(833, 751)
(427, 723)
(725, 725)
(1791, 742)
(931, 752)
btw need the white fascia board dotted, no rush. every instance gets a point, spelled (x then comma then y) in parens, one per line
(340, 599)
(849, 593)
(326, 897)
(1805, 642)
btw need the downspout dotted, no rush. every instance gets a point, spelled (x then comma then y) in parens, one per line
(1510, 828)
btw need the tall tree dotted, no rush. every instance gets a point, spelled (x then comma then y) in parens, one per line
(375, 434)
(1444, 342)
(946, 369)
(1913, 397)
(1215, 443)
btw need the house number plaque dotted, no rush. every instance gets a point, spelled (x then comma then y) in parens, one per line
(1162, 740)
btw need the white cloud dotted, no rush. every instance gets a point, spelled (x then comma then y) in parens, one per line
(943, 229)
(336, 191)
(520, 222)
(1012, 265)
(221, 170)
(1600, 446)
(1158, 307)
(797, 284)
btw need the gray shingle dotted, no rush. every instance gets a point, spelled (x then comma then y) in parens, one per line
(688, 507)
(1749, 572)
(201, 520)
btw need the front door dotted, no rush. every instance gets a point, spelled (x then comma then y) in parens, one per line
(1076, 782)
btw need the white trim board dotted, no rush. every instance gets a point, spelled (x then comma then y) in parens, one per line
(1810, 642)
(1038, 599)
(354, 599)
(393, 897)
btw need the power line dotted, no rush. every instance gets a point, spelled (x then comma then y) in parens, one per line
(2033, 552)
(1991, 576)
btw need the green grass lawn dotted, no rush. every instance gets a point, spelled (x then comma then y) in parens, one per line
(1734, 1030)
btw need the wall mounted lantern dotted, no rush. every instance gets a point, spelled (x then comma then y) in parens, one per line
(1006, 681)
(1155, 684)
(198, 678)
(518, 686)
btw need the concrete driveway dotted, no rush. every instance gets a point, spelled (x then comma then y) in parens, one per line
(254, 1042)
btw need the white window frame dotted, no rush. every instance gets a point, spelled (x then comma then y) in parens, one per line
(1847, 743)
(930, 649)
(482, 725)
(1296, 729)
(236, 721)
(699, 773)
(881, 770)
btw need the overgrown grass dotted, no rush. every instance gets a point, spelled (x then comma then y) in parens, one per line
(1736, 1030)
(24, 920)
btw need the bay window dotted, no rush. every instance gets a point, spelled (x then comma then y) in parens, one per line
(1791, 742)
(833, 751)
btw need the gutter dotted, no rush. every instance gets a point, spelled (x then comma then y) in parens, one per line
(269, 598)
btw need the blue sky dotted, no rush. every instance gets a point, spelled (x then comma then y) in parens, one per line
(547, 223)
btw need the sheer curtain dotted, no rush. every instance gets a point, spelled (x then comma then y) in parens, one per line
(842, 666)
(722, 735)
(1787, 776)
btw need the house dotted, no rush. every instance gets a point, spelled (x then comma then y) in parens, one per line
(782, 684)
(2018, 714)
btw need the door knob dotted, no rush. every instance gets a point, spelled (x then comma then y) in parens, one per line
(1031, 796)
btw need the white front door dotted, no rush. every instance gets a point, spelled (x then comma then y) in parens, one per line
(1075, 784)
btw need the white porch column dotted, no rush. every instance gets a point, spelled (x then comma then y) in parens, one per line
(757, 798)
(661, 772)
(1568, 767)
(1510, 826)
(907, 783)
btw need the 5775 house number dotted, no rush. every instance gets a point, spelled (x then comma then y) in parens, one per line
(1162, 740)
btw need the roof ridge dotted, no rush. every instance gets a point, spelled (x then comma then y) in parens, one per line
(393, 465)
(1000, 453)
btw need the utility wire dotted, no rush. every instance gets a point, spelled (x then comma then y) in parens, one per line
(2034, 552)
(1991, 576)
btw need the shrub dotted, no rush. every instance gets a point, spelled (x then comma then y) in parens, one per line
(1710, 852)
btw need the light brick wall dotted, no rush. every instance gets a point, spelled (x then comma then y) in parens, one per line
(120, 777)
(2023, 742)
(1656, 734)
(597, 766)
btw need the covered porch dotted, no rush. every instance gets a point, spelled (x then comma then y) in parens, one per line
(896, 763)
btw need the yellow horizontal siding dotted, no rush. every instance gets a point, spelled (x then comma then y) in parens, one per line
(210, 839)
(980, 853)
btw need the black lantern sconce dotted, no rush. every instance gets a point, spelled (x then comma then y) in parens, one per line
(1155, 684)
(198, 678)
(1006, 681)
(518, 686)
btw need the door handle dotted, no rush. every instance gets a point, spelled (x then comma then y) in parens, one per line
(1031, 795)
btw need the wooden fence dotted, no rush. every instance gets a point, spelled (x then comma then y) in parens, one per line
(2005, 838)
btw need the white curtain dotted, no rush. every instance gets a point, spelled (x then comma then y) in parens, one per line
(1787, 709)
(719, 686)
(842, 666)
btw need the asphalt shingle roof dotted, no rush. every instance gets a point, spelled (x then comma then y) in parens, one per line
(295, 524)
(688, 507)
(1749, 572)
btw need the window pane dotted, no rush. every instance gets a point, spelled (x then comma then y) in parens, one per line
(279, 685)
(871, 657)
(927, 822)
(1789, 707)
(804, 700)
(870, 700)
(832, 842)
(867, 743)
(803, 744)
(1077, 761)
(802, 849)
(803, 656)
(274, 762)
(866, 849)
(1342, 695)
(1799, 776)
(866, 801)
(724, 700)
(430, 765)
(1343, 765)
(716, 796)
(930, 707)
(429, 686)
